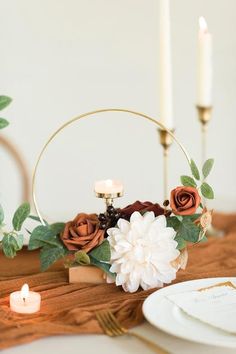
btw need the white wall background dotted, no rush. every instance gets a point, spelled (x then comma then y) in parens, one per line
(60, 58)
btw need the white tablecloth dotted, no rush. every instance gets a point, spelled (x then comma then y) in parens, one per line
(100, 344)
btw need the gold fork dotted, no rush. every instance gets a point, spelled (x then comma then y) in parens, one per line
(111, 326)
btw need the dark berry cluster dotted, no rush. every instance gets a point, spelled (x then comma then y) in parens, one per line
(109, 218)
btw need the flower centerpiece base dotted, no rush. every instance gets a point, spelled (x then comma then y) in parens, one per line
(87, 274)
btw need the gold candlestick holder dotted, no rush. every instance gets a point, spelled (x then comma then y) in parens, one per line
(166, 141)
(108, 197)
(204, 115)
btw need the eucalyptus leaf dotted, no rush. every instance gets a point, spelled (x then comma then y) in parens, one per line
(3, 123)
(1, 215)
(207, 191)
(104, 266)
(188, 181)
(181, 242)
(102, 252)
(4, 101)
(20, 216)
(194, 169)
(20, 241)
(49, 255)
(206, 169)
(188, 231)
(41, 236)
(82, 258)
(57, 227)
(9, 245)
(173, 221)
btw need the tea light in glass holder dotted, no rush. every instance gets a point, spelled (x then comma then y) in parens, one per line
(25, 301)
(108, 190)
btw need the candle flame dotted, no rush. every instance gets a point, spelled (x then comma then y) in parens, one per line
(24, 292)
(109, 182)
(203, 24)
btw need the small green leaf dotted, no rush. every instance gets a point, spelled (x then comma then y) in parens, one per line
(3, 123)
(20, 241)
(207, 191)
(181, 242)
(188, 231)
(1, 215)
(41, 236)
(194, 170)
(173, 221)
(49, 255)
(58, 227)
(82, 258)
(9, 245)
(20, 216)
(4, 102)
(188, 181)
(104, 266)
(206, 169)
(102, 253)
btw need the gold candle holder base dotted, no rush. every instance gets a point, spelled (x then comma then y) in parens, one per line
(166, 141)
(109, 197)
(204, 115)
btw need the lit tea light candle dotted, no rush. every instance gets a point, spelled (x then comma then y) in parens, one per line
(25, 301)
(108, 187)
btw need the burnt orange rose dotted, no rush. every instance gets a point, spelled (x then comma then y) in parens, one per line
(184, 200)
(83, 233)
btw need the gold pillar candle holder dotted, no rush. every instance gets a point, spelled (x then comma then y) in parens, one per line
(109, 197)
(166, 141)
(204, 115)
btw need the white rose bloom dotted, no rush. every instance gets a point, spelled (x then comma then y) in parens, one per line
(142, 251)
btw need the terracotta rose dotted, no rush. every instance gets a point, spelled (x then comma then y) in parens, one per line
(184, 200)
(142, 207)
(83, 233)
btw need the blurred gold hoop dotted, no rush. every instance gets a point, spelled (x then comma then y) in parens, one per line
(21, 165)
(84, 115)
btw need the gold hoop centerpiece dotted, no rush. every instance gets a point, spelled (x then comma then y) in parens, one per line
(88, 114)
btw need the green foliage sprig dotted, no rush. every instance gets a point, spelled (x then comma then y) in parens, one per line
(196, 181)
(13, 240)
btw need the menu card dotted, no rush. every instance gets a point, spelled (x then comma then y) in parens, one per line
(215, 305)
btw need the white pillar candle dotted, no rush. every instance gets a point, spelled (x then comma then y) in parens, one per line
(165, 73)
(25, 301)
(204, 72)
(108, 186)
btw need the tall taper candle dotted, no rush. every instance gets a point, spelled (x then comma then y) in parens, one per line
(165, 73)
(204, 78)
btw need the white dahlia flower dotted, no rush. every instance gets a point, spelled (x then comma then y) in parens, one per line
(142, 251)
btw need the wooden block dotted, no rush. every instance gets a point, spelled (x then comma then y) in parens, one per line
(86, 274)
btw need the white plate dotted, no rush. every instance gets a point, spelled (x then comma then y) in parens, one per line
(165, 315)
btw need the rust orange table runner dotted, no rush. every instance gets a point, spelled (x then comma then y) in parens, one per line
(69, 308)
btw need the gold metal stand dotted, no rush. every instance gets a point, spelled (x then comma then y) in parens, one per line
(93, 113)
(108, 198)
(165, 140)
(204, 114)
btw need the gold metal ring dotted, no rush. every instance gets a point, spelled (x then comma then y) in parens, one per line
(66, 124)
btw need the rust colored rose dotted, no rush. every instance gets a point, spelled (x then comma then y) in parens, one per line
(83, 233)
(142, 207)
(184, 200)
